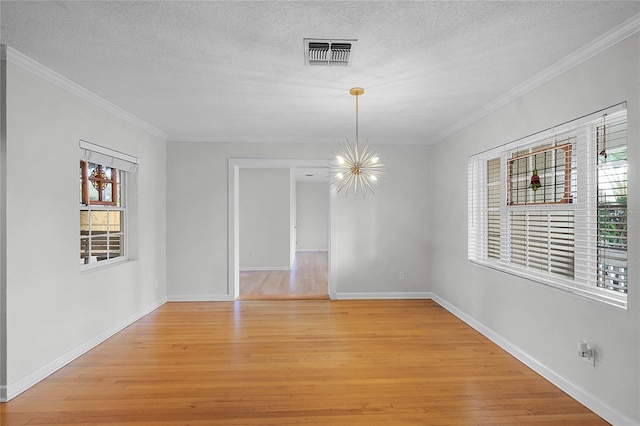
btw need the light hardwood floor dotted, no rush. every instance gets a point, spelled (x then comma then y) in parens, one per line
(306, 280)
(296, 362)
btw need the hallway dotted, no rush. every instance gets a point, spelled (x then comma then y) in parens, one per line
(307, 279)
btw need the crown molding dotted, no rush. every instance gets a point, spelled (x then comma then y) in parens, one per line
(291, 139)
(51, 76)
(600, 44)
(250, 139)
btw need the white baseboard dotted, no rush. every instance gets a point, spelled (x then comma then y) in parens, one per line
(3, 394)
(14, 389)
(199, 298)
(314, 249)
(588, 400)
(386, 295)
(264, 268)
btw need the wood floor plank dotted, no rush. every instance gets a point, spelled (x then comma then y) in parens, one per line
(296, 362)
(307, 279)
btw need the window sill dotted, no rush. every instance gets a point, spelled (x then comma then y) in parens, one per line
(96, 266)
(603, 296)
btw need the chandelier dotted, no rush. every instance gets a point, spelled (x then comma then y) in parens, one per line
(354, 168)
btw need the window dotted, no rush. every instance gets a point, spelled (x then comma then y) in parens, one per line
(102, 203)
(552, 207)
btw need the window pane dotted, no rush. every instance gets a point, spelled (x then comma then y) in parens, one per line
(93, 191)
(80, 187)
(99, 247)
(115, 245)
(99, 221)
(106, 193)
(84, 251)
(84, 222)
(116, 221)
(118, 188)
(542, 174)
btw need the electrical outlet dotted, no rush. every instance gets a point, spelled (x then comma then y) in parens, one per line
(401, 276)
(587, 353)
(592, 359)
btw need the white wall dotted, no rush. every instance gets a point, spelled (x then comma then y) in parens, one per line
(313, 215)
(265, 219)
(293, 219)
(542, 322)
(54, 311)
(3, 225)
(374, 239)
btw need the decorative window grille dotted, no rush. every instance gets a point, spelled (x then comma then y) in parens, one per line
(555, 168)
(552, 207)
(100, 184)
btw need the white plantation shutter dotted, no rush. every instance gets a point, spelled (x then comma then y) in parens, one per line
(612, 203)
(571, 231)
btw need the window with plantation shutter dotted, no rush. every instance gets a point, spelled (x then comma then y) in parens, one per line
(552, 207)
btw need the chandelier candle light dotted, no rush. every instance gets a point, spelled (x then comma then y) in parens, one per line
(356, 168)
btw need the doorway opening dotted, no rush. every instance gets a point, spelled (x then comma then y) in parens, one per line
(280, 240)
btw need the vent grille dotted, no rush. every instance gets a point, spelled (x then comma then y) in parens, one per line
(328, 52)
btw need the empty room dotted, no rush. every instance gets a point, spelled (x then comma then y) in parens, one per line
(319, 212)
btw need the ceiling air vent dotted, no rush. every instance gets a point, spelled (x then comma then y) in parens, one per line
(328, 52)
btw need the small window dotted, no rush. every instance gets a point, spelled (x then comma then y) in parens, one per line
(102, 204)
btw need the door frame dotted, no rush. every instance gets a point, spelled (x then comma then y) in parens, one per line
(233, 252)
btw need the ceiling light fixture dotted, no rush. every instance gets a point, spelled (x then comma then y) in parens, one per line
(354, 168)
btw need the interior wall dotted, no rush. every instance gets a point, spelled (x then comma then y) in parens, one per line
(293, 217)
(3, 223)
(543, 322)
(53, 309)
(265, 219)
(374, 238)
(313, 215)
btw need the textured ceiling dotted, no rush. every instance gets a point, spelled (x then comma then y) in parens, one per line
(234, 71)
